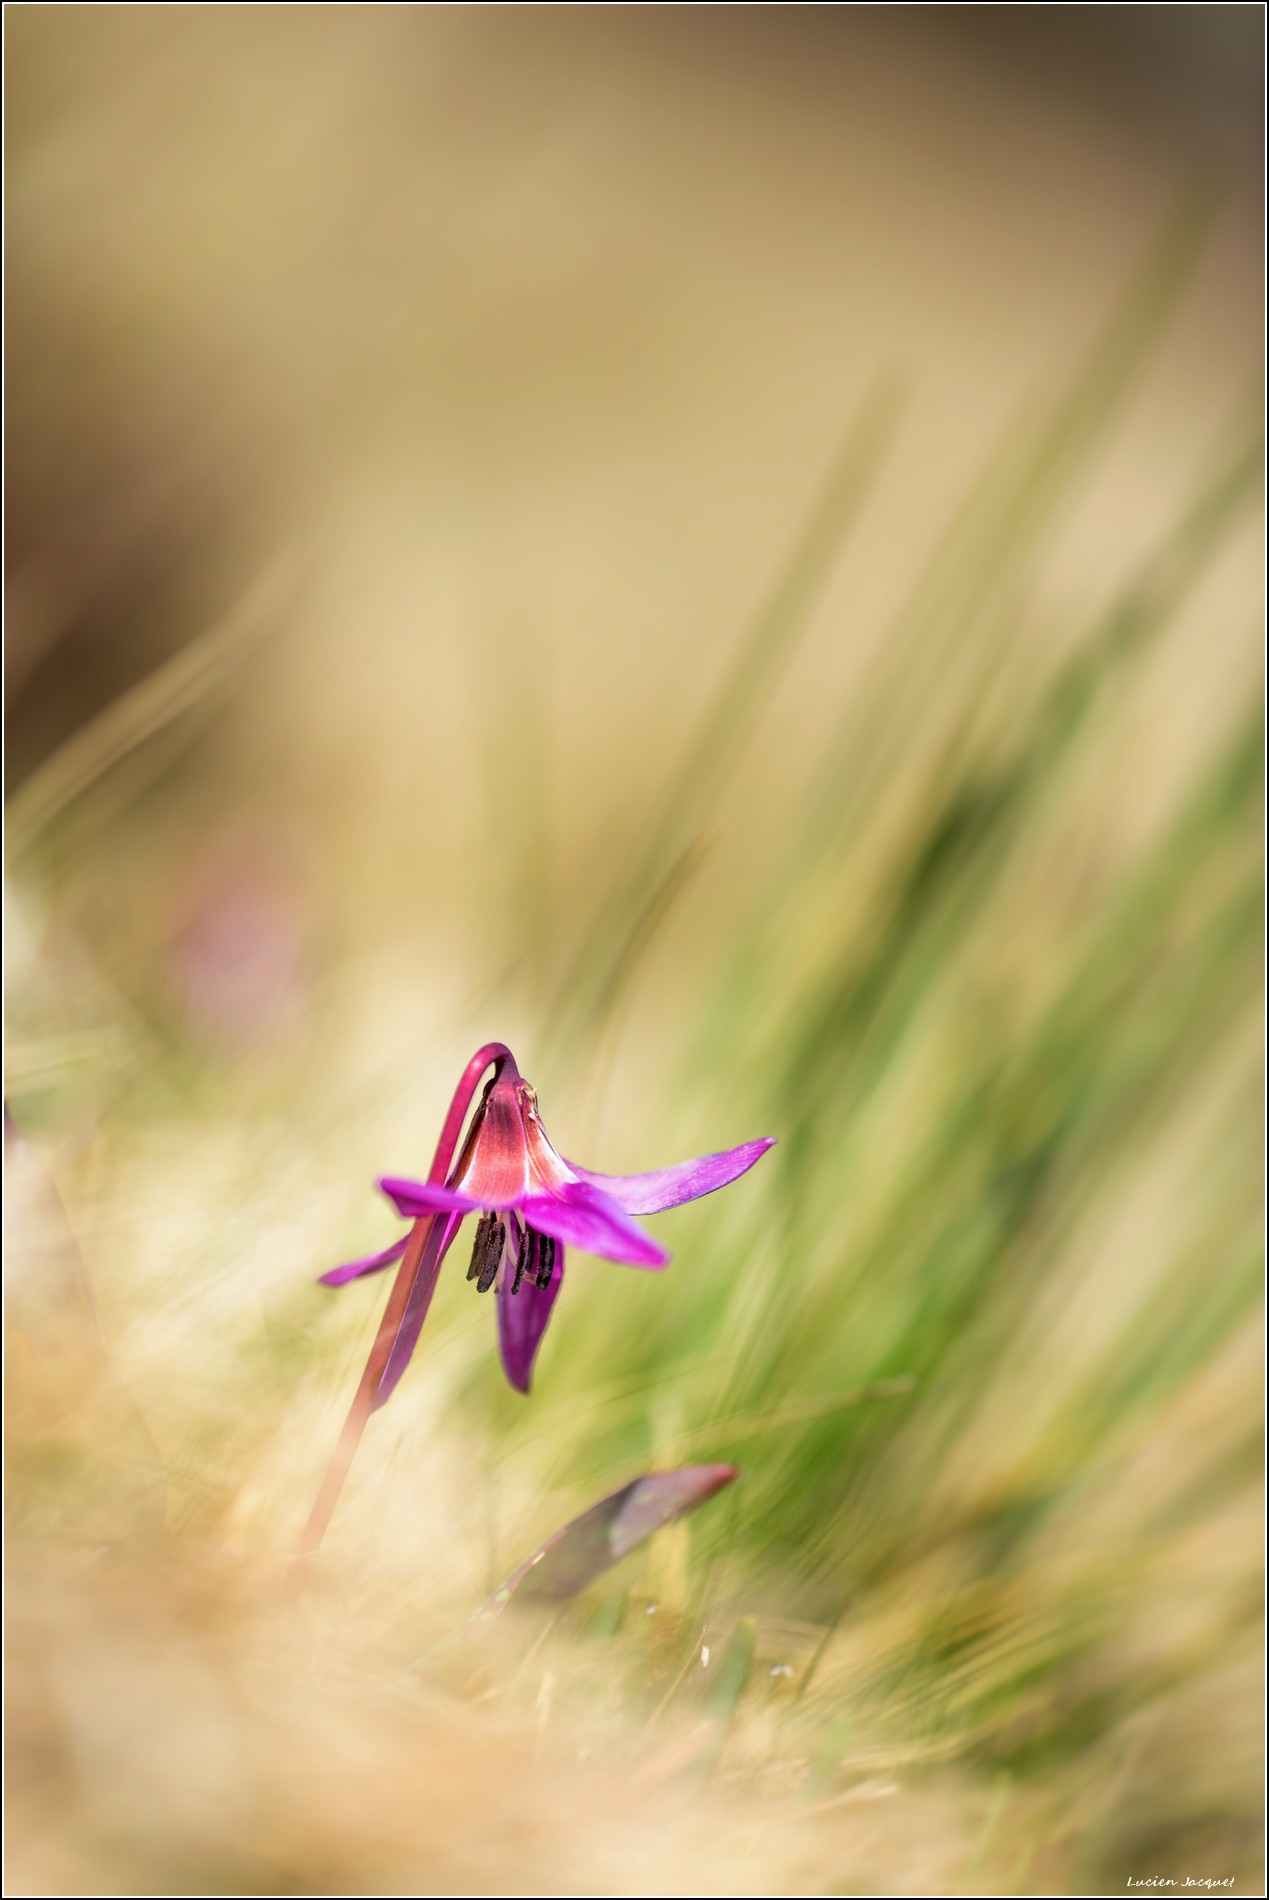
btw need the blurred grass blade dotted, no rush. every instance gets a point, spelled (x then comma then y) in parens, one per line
(644, 927)
(1034, 473)
(609, 1531)
(80, 1459)
(603, 962)
(898, 713)
(206, 664)
(974, 815)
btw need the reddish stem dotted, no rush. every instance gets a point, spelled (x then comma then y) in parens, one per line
(422, 1256)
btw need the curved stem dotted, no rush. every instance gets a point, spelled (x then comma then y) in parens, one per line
(492, 1052)
(424, 1252)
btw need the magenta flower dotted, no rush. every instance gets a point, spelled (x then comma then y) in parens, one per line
(531, 1204)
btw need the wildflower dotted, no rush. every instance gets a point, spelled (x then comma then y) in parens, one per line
(531, 1205)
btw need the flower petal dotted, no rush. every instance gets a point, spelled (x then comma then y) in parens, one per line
(496, 1171)
(412, 1198)
(522, 1319)
(372, 1263)
(583, 1216)
(652, 1193)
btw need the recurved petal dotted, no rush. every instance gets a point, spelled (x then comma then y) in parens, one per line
(372, 1263)
(652, 1193)
(522, 1319)
(412, 1198)
(583, 1216)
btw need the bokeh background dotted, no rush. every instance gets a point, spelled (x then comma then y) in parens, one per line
(722, 548)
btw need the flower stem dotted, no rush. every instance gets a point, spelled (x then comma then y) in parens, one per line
(410, 1291)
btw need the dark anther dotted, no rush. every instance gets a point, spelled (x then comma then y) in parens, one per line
(546, 1259)
(484, 1231)
(487, 1252)
(524, 1257)
(493, 1259)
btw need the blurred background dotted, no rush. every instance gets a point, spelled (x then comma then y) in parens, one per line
(721, 547)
